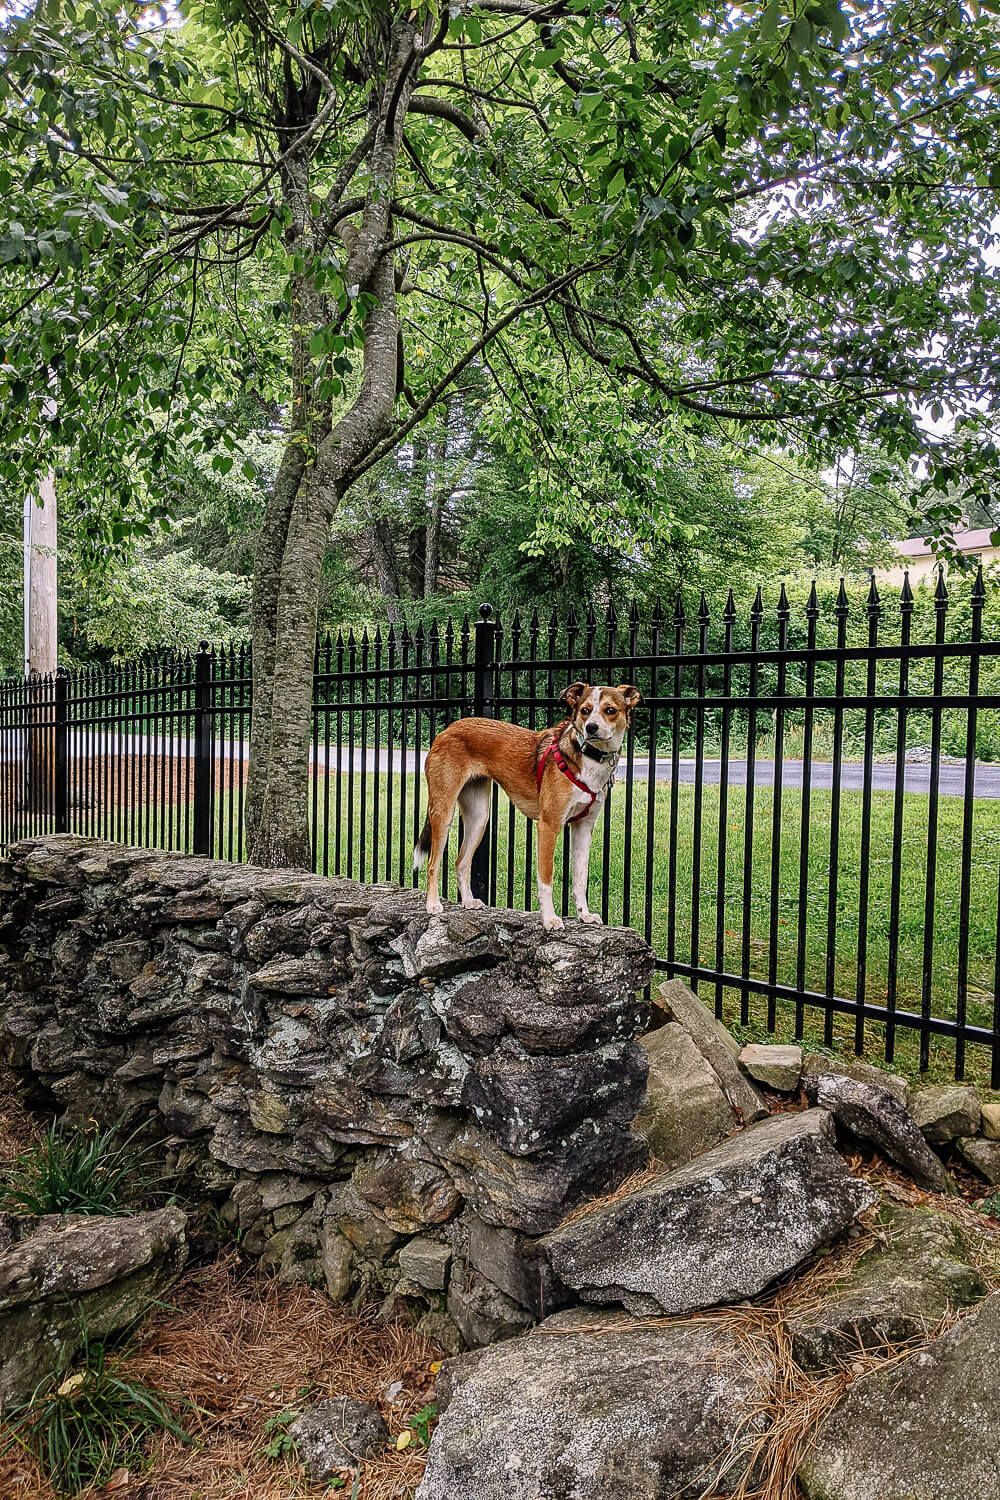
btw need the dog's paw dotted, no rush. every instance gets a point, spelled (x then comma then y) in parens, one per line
(435, 908)
(592, 917)
(474, 904)
(553, 924)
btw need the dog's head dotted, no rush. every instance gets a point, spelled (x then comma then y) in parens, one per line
(601, 714)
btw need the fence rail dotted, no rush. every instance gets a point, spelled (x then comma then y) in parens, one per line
(772, 836)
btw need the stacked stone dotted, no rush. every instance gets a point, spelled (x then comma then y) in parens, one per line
(340, 1070)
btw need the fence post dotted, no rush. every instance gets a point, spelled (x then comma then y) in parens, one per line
(483, 694)
(203, 750)
(60, 748)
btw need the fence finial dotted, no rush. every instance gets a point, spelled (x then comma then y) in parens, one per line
(874, 605)
(812, 603)
(940, 589)
(906, 593)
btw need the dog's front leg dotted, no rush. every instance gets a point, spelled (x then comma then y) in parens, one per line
(546, 862)
(580, 836)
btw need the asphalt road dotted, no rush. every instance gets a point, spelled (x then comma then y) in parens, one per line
(917, 777)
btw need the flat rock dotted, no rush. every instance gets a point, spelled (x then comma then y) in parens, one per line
(982, 1156)
(337, 1434)
(71, 1276)
(815, 1063)
(719, 1048)
(779, 1067)
(721, 1228)
(583, 1407)
(897, 1293)
(876, 1115)
(482, 1313)
(945, 1111)
(514, 1263)
(926, 1428)
(684, 1111)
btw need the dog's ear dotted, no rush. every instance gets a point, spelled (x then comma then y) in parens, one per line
(574, 693)
(632, 697)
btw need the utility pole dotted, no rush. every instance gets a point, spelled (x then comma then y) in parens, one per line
(41, 643)
(41, 579)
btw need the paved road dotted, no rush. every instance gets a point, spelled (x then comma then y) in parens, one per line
(951, 782)
(951, 779)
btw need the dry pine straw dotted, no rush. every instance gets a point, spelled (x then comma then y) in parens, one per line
(236, 1349)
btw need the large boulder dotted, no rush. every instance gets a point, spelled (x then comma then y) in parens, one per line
(926, 1428)
(897, 1293)
(69, 1278)
(583, 1408)
(876, 1115)
(721, 1228)
(685, 1110)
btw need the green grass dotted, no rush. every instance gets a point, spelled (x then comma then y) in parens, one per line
(75, 1171)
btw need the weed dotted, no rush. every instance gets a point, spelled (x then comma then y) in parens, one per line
(280, 1440)
(72, 1171)
(82, 1427)
(423, 1421)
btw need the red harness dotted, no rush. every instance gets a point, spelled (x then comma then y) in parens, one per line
(553, 753)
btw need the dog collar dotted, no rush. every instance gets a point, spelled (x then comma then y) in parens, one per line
(593, 753)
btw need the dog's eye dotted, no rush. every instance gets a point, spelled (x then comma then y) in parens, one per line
(611, 712)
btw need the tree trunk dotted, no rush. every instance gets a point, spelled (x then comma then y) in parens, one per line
(384, 568)
(41, 638)
(278, 788)
(438, 490)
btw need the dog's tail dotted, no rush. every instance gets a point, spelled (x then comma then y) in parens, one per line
(422, 847)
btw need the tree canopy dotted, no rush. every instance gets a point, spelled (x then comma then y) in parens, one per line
(766, 227)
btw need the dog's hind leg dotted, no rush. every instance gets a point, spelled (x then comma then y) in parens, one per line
(442, 795)
(474, 805)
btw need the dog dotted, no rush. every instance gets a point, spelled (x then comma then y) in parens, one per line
(561, 776)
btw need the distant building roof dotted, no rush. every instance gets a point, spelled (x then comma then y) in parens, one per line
(971, 539)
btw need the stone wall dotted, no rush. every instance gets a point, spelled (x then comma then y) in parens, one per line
(377, 1099)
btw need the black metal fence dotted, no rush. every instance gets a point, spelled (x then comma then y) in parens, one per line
(790, 831)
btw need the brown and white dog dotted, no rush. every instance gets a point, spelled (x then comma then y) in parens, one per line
(559, 776)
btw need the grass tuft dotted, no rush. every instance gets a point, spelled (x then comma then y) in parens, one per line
(72, 1171)
(85, 1427)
